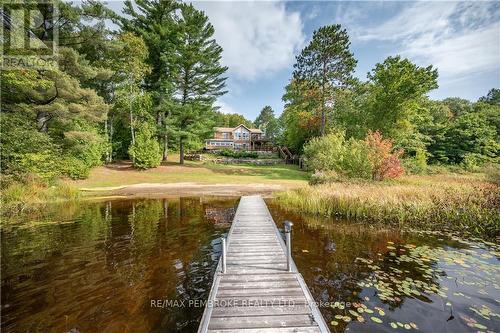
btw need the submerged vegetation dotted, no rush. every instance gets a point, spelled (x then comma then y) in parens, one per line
(461, 203)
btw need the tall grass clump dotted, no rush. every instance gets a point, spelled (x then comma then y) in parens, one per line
(32, 193)
(453, 203)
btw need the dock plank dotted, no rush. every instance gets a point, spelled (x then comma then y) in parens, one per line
(257, 294)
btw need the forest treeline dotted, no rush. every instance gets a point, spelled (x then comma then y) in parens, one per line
(151, 86)
(134, 93)
(323, 97)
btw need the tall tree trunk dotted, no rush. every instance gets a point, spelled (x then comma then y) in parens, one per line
(111, 140)
(107, 139)
(165, 136)
(181, 150)
(184, 102)
(159, 123)
(132, 131)
(323, 111)
(165, 146)
(42, 120)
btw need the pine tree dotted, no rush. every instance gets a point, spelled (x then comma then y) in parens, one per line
(328, 63)
(199, 76)
(157, 23)
(267, 122)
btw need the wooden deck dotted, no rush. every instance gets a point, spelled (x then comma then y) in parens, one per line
(257, 293)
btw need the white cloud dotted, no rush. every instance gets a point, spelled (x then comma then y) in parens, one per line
(460, 54)
(224, 107)
(258, 38)
(459, 38)
(414, 20)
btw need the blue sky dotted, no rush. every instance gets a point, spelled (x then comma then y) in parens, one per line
(262, 38)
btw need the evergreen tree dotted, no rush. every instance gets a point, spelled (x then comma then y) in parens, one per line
(328, 64)
(145, 150)
(493, 97)
(267, 122)
(300, 120)
(56, 110)
(199, 76)
(157, 22)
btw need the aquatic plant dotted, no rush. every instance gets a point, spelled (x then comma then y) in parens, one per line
(429, 274)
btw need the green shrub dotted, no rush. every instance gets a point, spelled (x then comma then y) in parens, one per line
(492, 172)
(145, 152)
(355, 162)
(75, 168)
(334, 157)
(372, 158)
(416, 164)
(87, 146)
(237, 154)
(472, 162)
(326, 153)
(25, 150)
(85, 149)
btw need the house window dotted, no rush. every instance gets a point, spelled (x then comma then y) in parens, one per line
(225, 135)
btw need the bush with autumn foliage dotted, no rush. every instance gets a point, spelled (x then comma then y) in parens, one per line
(333, 157)
(384, 160)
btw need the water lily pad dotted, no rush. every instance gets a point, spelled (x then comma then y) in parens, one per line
(481, 327)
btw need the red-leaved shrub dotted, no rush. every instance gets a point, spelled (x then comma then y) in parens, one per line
(385, 162)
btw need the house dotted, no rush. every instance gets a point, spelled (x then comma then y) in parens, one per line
(239, 137)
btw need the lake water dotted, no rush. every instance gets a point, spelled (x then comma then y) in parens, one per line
(101, 267)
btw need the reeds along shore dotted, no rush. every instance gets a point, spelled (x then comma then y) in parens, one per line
(441, 202)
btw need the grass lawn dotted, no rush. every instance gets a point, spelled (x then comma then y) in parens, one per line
(193, 172)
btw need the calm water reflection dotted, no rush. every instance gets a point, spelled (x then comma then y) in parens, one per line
(405, 281)
(96, 267)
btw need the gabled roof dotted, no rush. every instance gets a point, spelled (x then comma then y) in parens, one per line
(230, 129)
(224, 129)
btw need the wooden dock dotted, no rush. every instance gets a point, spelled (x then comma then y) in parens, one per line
(258, 294)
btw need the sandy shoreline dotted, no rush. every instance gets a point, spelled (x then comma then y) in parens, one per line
(183, 189)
